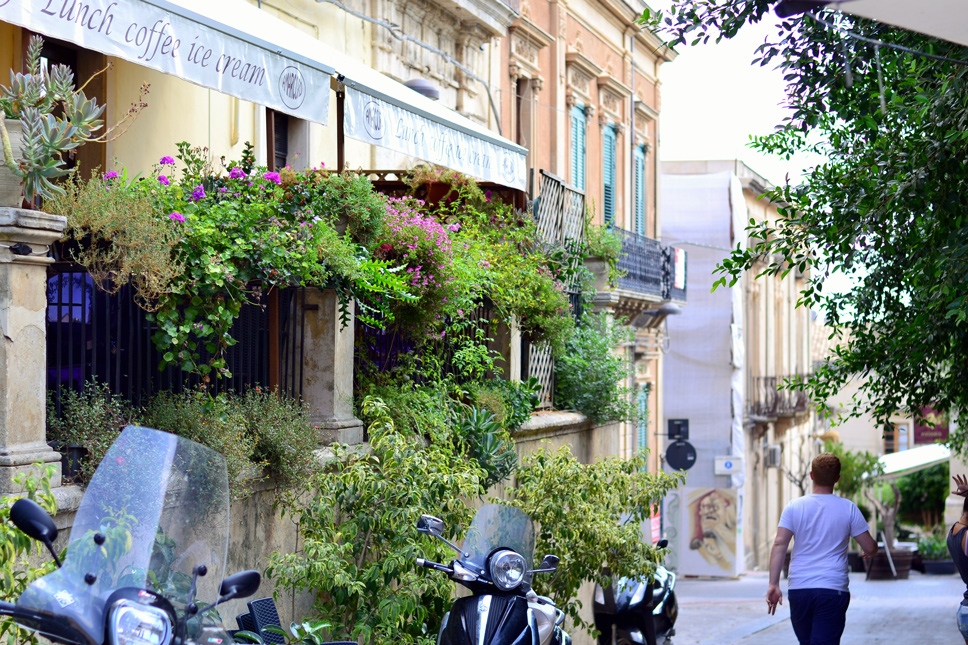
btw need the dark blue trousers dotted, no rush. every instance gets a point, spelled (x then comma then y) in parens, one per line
(818, 615)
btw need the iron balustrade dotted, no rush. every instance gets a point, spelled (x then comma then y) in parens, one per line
(769, 400)
(648, 267)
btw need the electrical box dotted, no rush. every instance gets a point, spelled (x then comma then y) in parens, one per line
(728, 465)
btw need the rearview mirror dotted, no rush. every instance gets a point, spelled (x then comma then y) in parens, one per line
(30, 518)
(430, 525)
(661, 544)
(239, 585)
(549, 564)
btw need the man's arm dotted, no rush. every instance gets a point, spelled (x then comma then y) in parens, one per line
(867, 543)
(777, 556)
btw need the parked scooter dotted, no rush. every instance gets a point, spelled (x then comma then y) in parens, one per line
(149, 543)
(494, 563)
(628, 610)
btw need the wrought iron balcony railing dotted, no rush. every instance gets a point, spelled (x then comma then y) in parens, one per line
(650, 268)
(767, 400)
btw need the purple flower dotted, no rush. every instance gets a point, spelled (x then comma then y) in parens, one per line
(197, 194)
(178, 217)
(110, 175)
(236, 173)
(167, 161)
(164, 180)
(273, 177)
(453, 227)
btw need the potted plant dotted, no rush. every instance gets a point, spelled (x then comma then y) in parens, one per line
(603, 248)
(44, 116)
(933, 549)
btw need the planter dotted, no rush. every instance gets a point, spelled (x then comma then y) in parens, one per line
(600, 270)
(71, 457)
(939, 567)
(880, 568)
(11, 190)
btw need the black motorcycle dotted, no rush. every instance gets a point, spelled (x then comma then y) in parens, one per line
(494, 563)
(149, 542)
(637, 612)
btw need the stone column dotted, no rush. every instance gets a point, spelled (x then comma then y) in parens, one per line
(24, 238)
(327, 355)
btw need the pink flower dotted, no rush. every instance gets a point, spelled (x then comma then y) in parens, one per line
(167, 161)
(236, 173)
(177, 217)
(164, 180)
(110, 175)
(273, 177)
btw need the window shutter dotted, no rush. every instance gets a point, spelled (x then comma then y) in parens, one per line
(640, 190)
(578, 147)
(608, 175)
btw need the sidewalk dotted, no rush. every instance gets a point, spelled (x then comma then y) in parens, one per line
(720, 612)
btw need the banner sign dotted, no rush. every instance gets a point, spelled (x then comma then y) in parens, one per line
(373, 120)
(934, 428)
(177, 41)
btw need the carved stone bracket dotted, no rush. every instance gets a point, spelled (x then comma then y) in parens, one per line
(612, 95)
(580, 72)
(527, 41)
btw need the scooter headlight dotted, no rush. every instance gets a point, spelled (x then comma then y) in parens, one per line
(507, 569)
(135, 624)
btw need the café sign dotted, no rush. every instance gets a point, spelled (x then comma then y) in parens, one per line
(218, 52)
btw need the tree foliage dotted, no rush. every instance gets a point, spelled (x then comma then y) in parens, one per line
(886, 207)
(923, 494)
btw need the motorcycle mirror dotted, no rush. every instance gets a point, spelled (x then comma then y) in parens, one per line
(34, 521)
(549, 564)
(430, 525)
(239, 585)
(661, 544)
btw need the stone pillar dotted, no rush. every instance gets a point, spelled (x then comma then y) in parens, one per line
(327, 355)
(24, 238)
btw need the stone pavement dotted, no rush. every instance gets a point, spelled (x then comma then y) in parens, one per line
(920, 610)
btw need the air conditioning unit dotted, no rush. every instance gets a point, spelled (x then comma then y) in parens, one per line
(771, 455)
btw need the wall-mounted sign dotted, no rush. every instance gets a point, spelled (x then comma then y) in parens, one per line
(681, 455)
(223, 54)
(729, 465)
(934, 429)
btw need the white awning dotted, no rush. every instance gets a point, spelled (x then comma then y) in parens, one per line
(236, 48)
(212, 43)
(905, 462)
(945, 19)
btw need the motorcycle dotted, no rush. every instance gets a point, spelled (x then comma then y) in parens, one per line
(149, 541)
(629, 609)
(494, 564)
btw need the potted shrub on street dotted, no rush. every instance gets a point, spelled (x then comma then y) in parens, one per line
(933, 550)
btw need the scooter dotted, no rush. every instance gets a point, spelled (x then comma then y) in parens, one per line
(494, 564)
(629, 609)
(149, 542)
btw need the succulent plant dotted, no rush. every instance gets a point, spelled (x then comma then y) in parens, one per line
(56, 117)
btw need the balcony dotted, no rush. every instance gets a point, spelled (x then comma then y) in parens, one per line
(766, 400)
(651, 269)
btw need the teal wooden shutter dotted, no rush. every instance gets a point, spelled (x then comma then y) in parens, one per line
(639, 201)
(578, 147)
(608, 175)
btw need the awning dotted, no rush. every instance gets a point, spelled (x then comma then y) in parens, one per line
(212, 44)
(945, 19)
(905, 462)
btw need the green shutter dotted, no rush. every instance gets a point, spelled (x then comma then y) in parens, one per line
(639, 201)
(608, 175)
(578, 147)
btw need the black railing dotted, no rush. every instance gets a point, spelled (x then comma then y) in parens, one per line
(642, 262)
(96, 336)
(767, 399)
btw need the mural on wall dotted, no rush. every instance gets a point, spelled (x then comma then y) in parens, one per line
(709, 531)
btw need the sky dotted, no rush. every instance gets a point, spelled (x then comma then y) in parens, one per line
(714, 98)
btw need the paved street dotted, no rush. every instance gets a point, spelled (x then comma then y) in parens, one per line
(920, 609)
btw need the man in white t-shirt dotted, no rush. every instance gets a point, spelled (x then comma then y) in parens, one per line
(823, 525)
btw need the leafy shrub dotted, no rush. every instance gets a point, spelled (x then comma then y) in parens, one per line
(488, 444)
(923, 495)
(284, 437)
(359, 538)
(856, 469)
(589, 376)
(212, 422)
(93, 418)
(18, 557)
(934, 547)
(590, 516)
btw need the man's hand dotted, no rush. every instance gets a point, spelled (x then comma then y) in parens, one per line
(962, 483)
(773, 597)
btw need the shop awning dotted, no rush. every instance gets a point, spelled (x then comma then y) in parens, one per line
(946, 19)
(236, 48)
(229, 46)
(905, 462)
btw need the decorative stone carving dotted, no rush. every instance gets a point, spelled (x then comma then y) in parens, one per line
(580, 72)
(527, 41)
(612, 95)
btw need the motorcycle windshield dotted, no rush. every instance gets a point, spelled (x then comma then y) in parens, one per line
(497, 526)
(161, 503)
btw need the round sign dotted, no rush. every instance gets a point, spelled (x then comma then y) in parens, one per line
(681, 455)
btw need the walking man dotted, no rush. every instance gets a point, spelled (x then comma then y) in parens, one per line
(822, 525)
